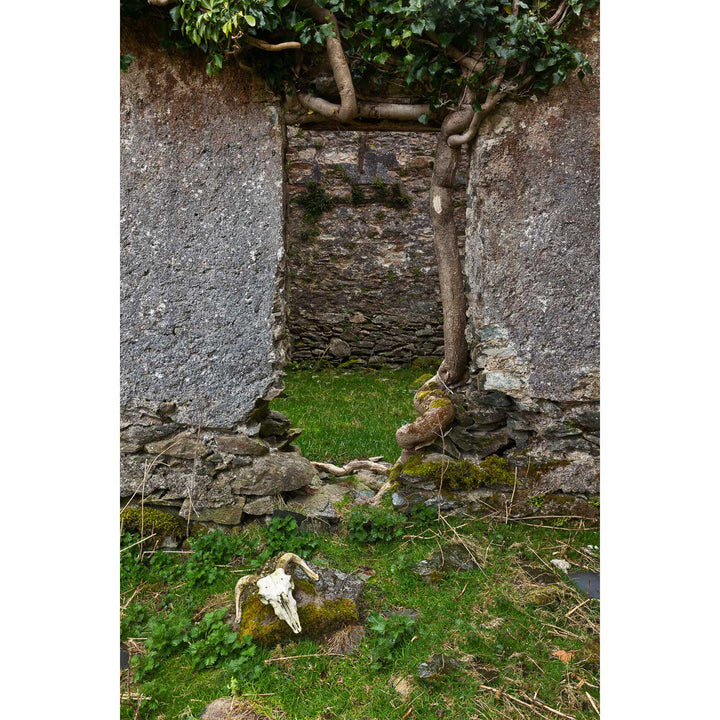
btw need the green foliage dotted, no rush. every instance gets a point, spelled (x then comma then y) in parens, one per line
(357, 196)
(372, 525)
(133, 620)
(165, 567)
(211, 641)
(167, 635)
(423, 514)
(125, 61)
(387, 636)
(132, 569)
(315, 201)
(211, 550)
(246, 663)
(284, 535)
(404, 39)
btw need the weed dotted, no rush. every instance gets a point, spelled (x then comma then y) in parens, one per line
(283, 535)
(374, 525)
(315, 201)
(210, 550)
(357, 197)
(380, 188)
(387, 636)
(211, 641)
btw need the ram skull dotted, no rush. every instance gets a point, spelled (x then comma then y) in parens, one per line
(274, 589)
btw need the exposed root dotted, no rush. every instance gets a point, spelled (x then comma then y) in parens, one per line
(436, 415)
(352, 467)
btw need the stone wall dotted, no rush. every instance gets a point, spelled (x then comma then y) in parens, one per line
(532, 269)
(363, 278)
(202, 287)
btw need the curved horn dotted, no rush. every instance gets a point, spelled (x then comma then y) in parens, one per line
(286, 558)
(240, 589)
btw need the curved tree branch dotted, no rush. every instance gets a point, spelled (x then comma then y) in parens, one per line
(338, 61)
(375, 111)
(269, 47)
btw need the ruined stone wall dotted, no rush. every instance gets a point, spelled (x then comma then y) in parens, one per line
(363, 277)
(532, 270)
(202, 288)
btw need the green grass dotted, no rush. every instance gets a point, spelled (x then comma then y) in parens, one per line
(489, 618)
(347, 414)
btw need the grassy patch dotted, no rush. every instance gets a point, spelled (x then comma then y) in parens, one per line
(514, 623)
(348, 414)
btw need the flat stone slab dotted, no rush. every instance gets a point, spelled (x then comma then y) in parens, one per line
(202, 214)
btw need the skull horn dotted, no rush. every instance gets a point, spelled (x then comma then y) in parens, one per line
(241, 589)
(286, 558)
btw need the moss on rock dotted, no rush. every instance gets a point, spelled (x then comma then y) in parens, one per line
(462, 474)
(153, 520)
(317, 619)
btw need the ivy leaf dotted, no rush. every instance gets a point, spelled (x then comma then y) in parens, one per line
(125, 61)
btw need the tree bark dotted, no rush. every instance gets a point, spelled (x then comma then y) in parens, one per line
(452, 285)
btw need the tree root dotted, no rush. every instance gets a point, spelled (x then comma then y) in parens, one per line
(436, 415)
(352, 467)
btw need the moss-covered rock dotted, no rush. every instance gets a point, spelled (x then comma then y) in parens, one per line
(317, 617)
(153, 520)
(458, 474)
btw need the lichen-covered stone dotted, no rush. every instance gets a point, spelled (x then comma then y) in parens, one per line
(230, 514)
(240, 445)
(423, 470)
(321, 504)
(452, 556)
(263, 505)
(272, 474)
(324, 606)
(184, 445)
(230, 709)
(202, 238)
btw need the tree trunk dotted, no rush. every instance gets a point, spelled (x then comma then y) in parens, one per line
(452, 285)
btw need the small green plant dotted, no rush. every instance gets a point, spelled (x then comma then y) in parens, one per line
(125, 61)
(166, 636)
(315, 201)
(423, 514)
(246, 665)
(211, 641)
(357, 197)
(132, 570)
(374, 525)
(284, 535)
(133, 620)
(380, 188)
(537, 501)
(398, 198)
(387, 636)
(211, 550)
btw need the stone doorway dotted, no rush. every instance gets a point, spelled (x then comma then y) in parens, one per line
(362, 277)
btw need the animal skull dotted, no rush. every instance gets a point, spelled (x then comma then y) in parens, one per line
(276, 590)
